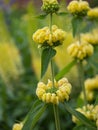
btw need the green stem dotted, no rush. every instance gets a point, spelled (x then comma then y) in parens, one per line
(56, 115)
(81, 78)
(55, 107)
(52, 73)
(50, 24)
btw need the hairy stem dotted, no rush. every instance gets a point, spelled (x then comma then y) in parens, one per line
(55, 107)
(81, 78)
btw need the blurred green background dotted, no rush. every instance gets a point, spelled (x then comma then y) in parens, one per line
(20, 61)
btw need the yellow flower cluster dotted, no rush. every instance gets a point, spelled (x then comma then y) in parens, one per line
(17, 126)
(78, 7)
(92, 37)
(80, 51)
(91, 84)
(46, 38)
(10, 62)
(93, 13)
(90, 111)
(50, 6)
(89, 95)
(54, 94)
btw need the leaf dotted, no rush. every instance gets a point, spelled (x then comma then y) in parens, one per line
(81, 117)
(46, 56)
(41, 16)
(80, 127)
(62, 13)
(76, 25)
(33, 116)
(65, 70)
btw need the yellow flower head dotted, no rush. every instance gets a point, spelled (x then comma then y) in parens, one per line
(50, 6)
(10, 62)
(54, 94)
(91, 83)
(89, 95)
(87, 111)
(78, 8)
(91, 38)
(93, 13)
(90, 111)
(17, 126)
(80, 51)
(46, 38)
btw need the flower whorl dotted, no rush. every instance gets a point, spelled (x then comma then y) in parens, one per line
(54, 94)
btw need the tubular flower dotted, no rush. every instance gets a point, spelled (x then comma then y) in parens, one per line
(46, 38)
(78, 8)
(17, 126)
(54, 94)
(80, 51)
(93, 13)
(90, 111)
(92, 37)
(50, 6)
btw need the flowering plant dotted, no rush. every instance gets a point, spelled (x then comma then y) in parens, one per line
(57, 90)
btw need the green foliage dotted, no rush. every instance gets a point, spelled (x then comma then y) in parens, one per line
(81, 127)
(65, 70)
(47, 55)
(76, 25)
(35, 113)
(41, 16)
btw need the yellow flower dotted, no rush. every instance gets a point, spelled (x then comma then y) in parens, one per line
(91, 38)
(46, 38)
(80, 51)
(54, 94)
(50, 6)
(88, 111)
(93, 13)
(89, 95)
(17, 126)
(10, 62)
(91, 83)
(78, 8)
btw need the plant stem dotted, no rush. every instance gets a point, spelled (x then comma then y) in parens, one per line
(55, 107)
(56, 115)
(52, 73)
(81, 78)
(50, 24)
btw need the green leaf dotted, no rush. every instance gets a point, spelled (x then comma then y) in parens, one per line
(62, 13)
(76, 25)
(80, 127)
(65, 70)
(33, 116)
(41, 16)
(81, 117)
(46, 56)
